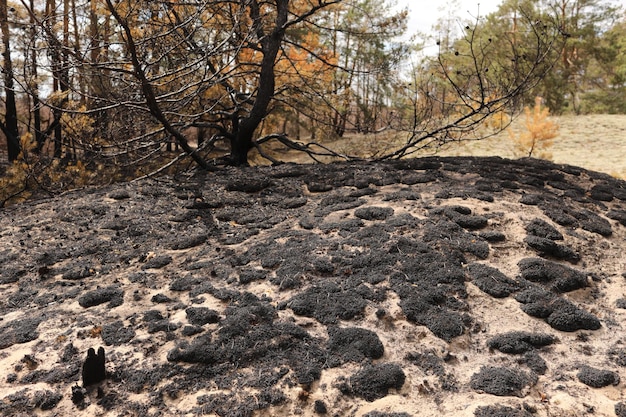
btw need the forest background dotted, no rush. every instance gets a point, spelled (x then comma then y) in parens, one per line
(100, 91)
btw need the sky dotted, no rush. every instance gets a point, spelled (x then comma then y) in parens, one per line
(423, 14)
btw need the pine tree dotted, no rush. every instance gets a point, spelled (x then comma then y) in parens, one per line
(539, 134)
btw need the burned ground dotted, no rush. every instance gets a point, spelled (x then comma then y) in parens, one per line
(394, 288)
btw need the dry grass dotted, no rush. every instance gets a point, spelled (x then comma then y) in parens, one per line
(596, 142)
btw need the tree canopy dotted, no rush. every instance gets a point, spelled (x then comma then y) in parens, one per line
(122, 82)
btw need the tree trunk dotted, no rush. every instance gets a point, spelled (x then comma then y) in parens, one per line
(244, 128)
(240, 145)
(34, 85)
(65, 73)
(77, 47)
(200, 137)
(97, 80)
(9, 127)
(55, 63)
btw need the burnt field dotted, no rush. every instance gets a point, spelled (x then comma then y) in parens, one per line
(469, 286)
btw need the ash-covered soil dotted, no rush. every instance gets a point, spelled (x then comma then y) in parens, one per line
(437, 286)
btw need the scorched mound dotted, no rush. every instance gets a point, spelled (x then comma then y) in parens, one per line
(435, 286)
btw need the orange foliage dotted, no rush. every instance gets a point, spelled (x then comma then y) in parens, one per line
(539, 134)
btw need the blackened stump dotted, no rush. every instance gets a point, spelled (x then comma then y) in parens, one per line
(93, 367)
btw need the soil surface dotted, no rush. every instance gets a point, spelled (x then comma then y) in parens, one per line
(458, 286)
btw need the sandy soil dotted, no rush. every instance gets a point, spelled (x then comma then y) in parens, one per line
(456, 286)
(596, 142)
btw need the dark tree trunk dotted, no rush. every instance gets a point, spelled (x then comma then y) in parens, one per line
(58, 133)
(200, 137)
(65, 77)
(244, 128)
(39, 137)
(9, 127)
(239, 148)
(57, 76)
